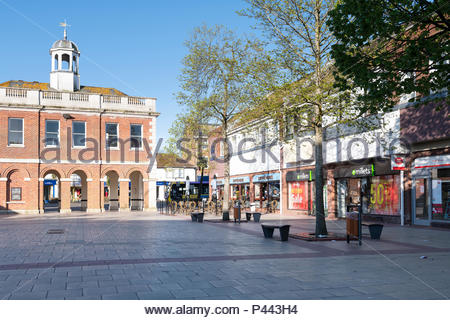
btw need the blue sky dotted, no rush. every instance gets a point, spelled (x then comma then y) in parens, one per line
(135, 46)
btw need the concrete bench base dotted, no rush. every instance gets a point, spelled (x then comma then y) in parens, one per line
(268, 231)
(375, 230)
(256, 216)
(197, 217)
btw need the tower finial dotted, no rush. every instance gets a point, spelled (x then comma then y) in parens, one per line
(65, 26)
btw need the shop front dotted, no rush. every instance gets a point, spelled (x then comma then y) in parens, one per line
(267, 190)
(240, 189)
(220, 184)
(300, 190)
(374, 188)
(431, 190)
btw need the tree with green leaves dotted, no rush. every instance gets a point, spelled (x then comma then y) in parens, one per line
(217, 82)
(391, 48)
(305, 83)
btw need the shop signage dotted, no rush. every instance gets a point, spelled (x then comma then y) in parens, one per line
(302, 175)
(355, 172)
(431, 162)
(162, 183)
(266, 177)
(240, 180)
(49, 182)
(398, 163)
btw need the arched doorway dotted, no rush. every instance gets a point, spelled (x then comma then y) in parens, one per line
(78, 191)
(111, 190)
(15, 190)
(136, 191)
(52, 191)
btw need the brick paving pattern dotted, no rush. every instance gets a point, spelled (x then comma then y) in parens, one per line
(144, 255)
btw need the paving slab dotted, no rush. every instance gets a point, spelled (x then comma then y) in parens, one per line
(144, 255)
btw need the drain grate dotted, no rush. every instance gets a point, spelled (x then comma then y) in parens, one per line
(55, 231)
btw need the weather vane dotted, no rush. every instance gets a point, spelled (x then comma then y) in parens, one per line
(65, 26)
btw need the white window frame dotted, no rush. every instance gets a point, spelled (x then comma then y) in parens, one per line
(85, 130)
(142, 136)
(59, 130)
(23, 137)
(117, 137)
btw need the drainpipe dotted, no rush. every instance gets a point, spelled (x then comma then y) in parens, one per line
(39, 161)
(402, 198)
(281, 176)
(102, 183)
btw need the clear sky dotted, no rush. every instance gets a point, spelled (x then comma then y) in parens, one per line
(135, 46)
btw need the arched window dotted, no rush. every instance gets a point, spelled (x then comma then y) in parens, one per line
(55, 63)
(65, 62)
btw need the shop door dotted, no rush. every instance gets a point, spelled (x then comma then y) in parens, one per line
(421, 201)
(342, 190)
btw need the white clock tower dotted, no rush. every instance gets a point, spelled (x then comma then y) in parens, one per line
(64, 75)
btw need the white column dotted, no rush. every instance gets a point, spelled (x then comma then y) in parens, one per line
(59, 61)
(152, 193)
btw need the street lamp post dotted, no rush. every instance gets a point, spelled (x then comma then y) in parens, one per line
(202, 163)
(188, 185)
(214, 190)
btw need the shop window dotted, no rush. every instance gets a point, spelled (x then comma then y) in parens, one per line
(440, 198)
(444, 173)
(385, 195)
(298, 198)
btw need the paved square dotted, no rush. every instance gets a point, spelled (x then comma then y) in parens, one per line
(144, 255)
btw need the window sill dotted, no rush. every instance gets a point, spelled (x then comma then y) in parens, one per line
(79, 147)
(52, 147)
(15, 202)
(113, 149)
(16, 145)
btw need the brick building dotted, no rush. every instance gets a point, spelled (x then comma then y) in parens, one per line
(61, 129)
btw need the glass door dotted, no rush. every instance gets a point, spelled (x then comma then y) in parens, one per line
(421, 198)
(342, 190)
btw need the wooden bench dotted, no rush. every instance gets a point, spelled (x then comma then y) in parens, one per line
(269, 228)
(256, 216)
(375, 229)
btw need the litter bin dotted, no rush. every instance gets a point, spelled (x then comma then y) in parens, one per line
(353, 226)
(236, 213)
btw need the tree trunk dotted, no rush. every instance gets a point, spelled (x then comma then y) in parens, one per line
(321, 227)
(226, 171)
